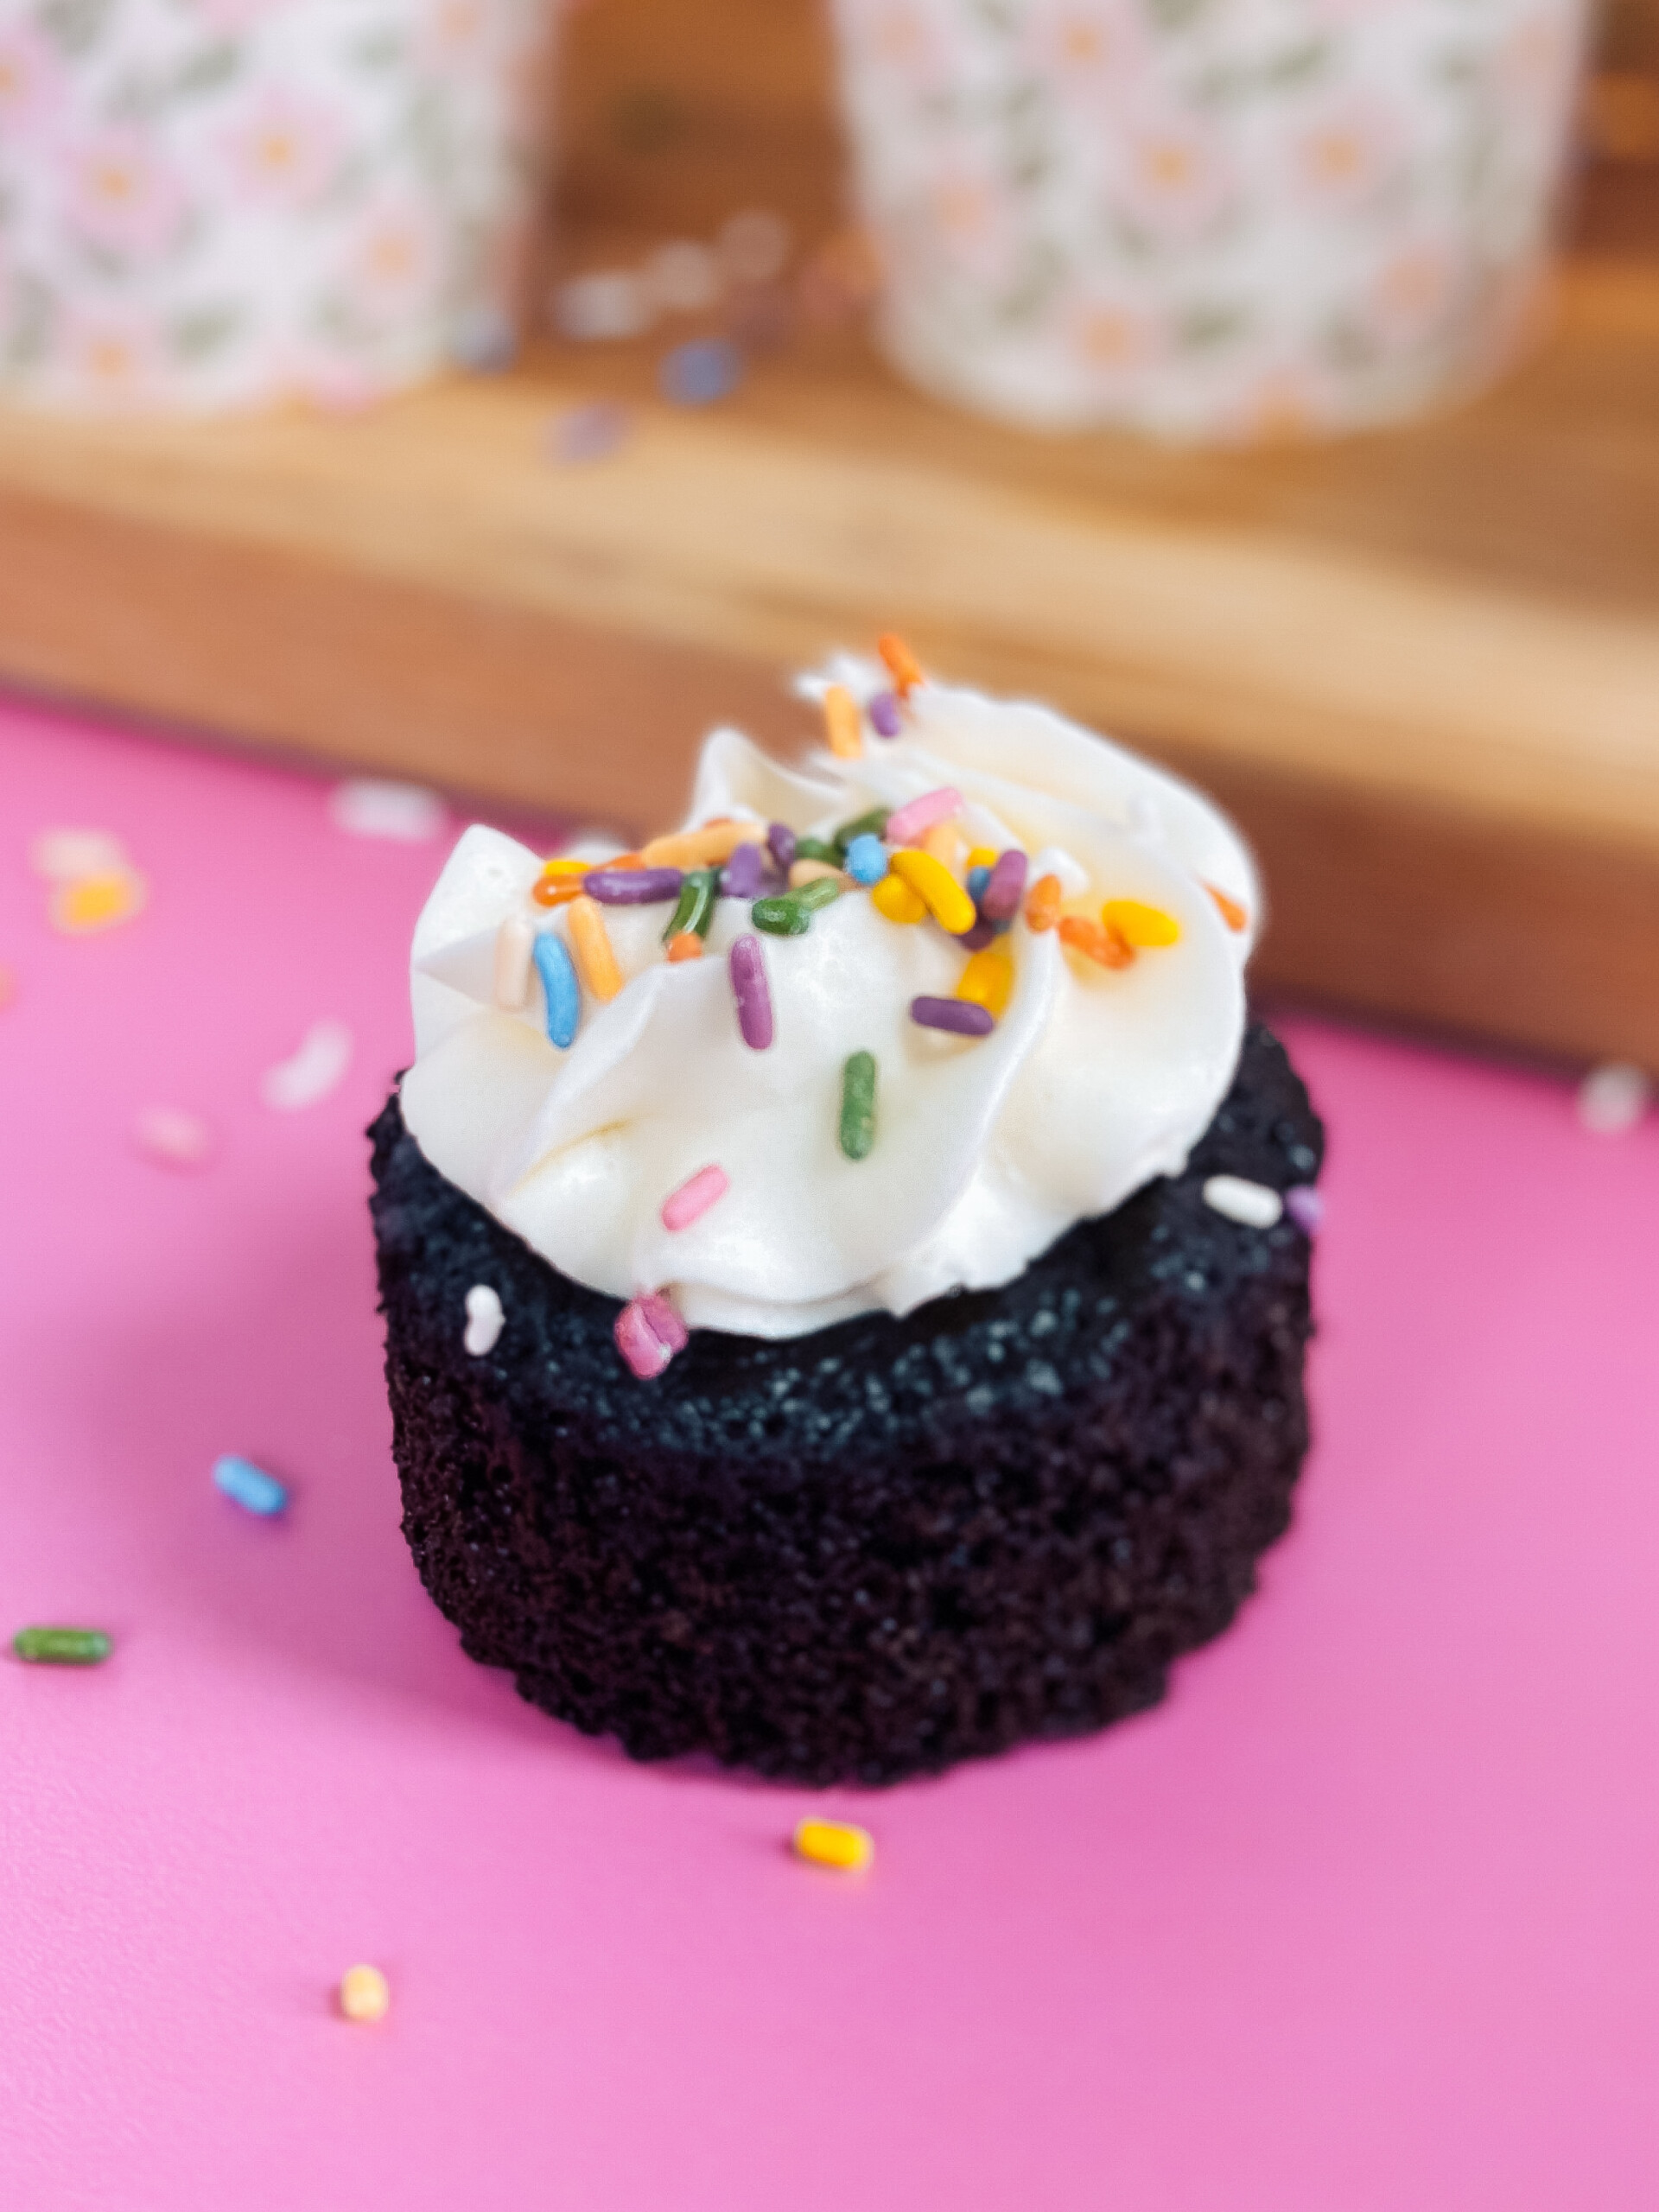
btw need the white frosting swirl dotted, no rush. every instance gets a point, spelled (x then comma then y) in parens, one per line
(1093, 1081)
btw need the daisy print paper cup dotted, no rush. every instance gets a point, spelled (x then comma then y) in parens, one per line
(216, 204)
(1208, 219)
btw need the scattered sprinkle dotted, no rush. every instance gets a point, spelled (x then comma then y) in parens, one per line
(648, 1334)
(753, 246)
(485, 1320)
(684, 945)
(885, 720)
(363, 1994)
(1000, 900)
(632, 886)
(62, 1647)
(843, 723)
(562, 997)
(705, 847)
(840, 1844)
(958, 1016)
(1139, 924)
(515, 943)
(893, 899)
(483, 340)
(366, 806)
(684, 277)
(700, 372)
(248, 1486)
(1231, 912)
(604, 303)
(90, 903)
(745, 873)
(1613, 1098)
(1043, 907)
(1095, 941)
(867, 858)
(590, 432)
(857, 1130)
(901, 664)
(907, 823)
(590, 941)
(748, 967)
(63, 855)
(1252, 1204)
(665, 1322)
(324, 1055)
(988, 981)
(1304, 1206)
(171, 1135)
(933, 883)
(694, 1196)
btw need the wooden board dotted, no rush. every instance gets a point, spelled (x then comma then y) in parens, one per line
(1423, 669)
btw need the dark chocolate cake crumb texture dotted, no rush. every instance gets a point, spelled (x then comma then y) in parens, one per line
(886, 1546)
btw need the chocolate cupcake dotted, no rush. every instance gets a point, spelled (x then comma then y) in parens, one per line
(901, 1327)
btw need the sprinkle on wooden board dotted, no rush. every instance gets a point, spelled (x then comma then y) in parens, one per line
(1043, 905)
(1095, 941)
(840, 1844)
(1231, 912)
(901, 664)
(1139, 924)
(590, 941)
(944, 898)
(843, 723)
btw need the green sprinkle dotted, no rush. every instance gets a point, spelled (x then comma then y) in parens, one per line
(695, 908)
(62, 1647)
(814, 848)
(822, 891)
(783, 917)
(867, 825)
(858, 1106)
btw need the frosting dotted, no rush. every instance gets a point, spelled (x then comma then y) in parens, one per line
(985, 1147)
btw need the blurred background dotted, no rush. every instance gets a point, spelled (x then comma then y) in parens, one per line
(503, 394)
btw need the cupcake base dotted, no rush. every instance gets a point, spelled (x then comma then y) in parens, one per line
(884, 1546)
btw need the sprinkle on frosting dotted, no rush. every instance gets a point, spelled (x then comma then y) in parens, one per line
(843, 723)
(958, 1016)
(1043, 907)
(559, 991)
(936, 888)
(857, 1131)
(591, 943)
(1096, 941)
(694, 1196)
(906, 823)
(749, 988)
(901, 664)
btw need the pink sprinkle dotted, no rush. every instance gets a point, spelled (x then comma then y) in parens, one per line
(693, 1198)
(917, 815)
(663, 1322)
(1304, 1206)
(638, 1342)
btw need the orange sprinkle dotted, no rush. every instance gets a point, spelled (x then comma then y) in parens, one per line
(591, 943)
(1096, 941)
(902, 664)
(843, 723)
(624, 860)
(1043, 903)
(555, 890)
(1231, 912)
(709, 847)
(685, 944)
(943, 841)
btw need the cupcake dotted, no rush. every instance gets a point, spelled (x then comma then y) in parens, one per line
(844, 1313)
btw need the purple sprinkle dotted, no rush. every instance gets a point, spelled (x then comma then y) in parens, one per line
(662, 1321)
(781, 839)
(745, 871)
(632, 886)
(977, 939)
(883, 711)
(1003, 892)
(960, 1015)
(748, 974)
(1304, 1206)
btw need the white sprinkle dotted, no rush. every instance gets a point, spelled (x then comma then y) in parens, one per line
(365, 806)
(66, 855)
(1613, 1097)
(171, 1135)
(325, 1054)
(754, 246)
(682, 276)
(485, 1320)
(1253, 1203)
(607, 304)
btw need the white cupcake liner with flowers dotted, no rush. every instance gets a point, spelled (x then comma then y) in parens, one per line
(209, 204)
(1207, 219)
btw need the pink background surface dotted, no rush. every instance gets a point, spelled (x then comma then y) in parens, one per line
(1364, 1917)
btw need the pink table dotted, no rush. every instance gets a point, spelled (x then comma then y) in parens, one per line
(1363, 1918)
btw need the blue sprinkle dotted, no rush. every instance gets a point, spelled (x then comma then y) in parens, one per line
(977, 879)
(248, 1485)
(559, 987)
(867, 858)
(700, 371)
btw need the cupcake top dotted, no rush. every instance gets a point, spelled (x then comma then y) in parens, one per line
(866, 1031)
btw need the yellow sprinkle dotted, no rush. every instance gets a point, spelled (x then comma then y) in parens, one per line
(591, 943)
(802, 872)
(835, 1843)
(97, 902)
(843, 723)
(987, 980)
(943, 841)
(566, 867)
(709, 847)
(895, 898)
(982, 856)
(364, 1994)
(946, 900)
(1140, 926)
